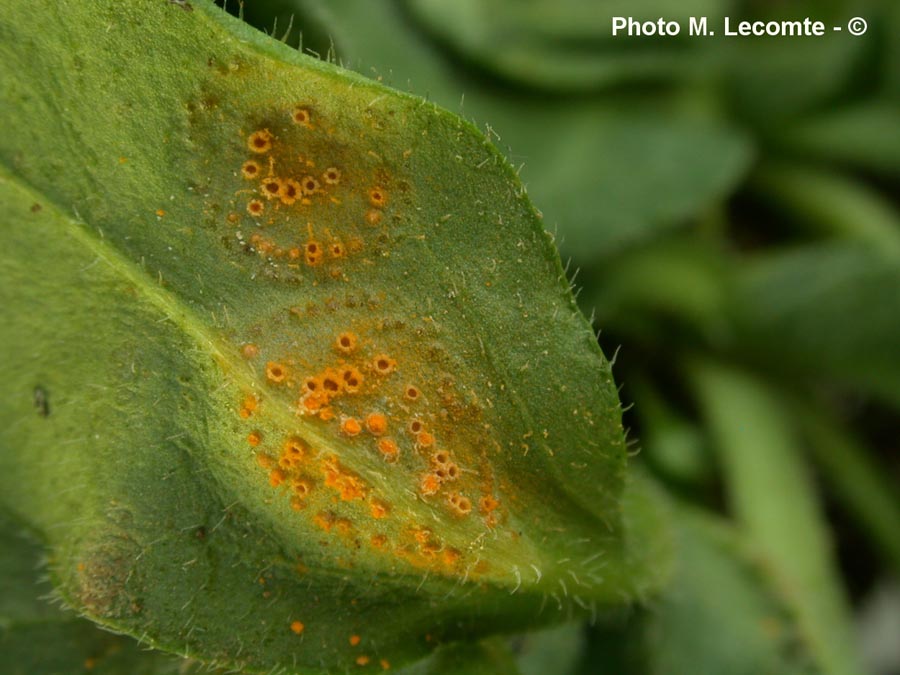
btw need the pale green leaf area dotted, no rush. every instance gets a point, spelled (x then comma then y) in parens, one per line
(608, 171)
(306, 363)
(722, 613)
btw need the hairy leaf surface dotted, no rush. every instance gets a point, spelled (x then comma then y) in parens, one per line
(287, 353)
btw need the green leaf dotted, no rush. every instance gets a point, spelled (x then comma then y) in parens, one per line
(680, 281)
(201, 355)
(488, 657)
(552, 651)
(831, 203)
(865, 136)
(771, 81)
(824, 310)
(720, 614)
(771, 494)
(857, 478)
(40, 638)
(589, 162)
(567, 44)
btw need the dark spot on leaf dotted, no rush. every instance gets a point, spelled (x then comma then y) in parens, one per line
(41, 401)
(103, 576)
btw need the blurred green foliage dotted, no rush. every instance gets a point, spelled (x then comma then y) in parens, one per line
(733, 211)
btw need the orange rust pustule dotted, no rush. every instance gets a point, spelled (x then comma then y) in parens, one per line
(378, 197)
(290, 191)
(331, 176)
(346, 342)
(351, 379)
(260, 141)
(348, 484)
(430, 484)
(488, 504)
(312, 252)
(383, 364)
(275, 372)
(309, 185)
(302, 116)
(255, 207)
(460, 504)
(270, 187)
(351, 426)
(388, 449)
(379, 509)
(250, 169)
(293, 453)
(373, 217)
(376, 424)
(297, 627)
(248, 406)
